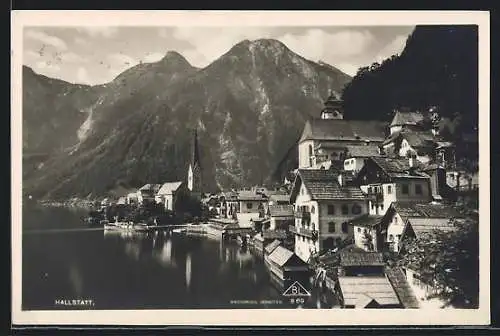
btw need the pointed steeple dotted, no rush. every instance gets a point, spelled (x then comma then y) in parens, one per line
(195, 155)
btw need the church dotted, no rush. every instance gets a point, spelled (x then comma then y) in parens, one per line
(324, 140)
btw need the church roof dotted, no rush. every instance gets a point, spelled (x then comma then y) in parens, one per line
(341, 129)
(363, 151)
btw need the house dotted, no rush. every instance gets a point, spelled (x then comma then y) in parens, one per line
(147, 193)
(325, 139)
(281, 217)
(366, 229)
(279, 199)
(366, 292)
(406, 120)
(361, 264)
(169, 193)
(286, 266)
(250, 206)
(122, 200)
(386, 180)
(414, 132)
(132, 197)
(356, 156)
(412, 219)
(230, 204)
(323, 206)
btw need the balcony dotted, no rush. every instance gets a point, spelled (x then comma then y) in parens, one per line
(302, 214)
(302, 231)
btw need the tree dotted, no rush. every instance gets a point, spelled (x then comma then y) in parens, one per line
(449, 261)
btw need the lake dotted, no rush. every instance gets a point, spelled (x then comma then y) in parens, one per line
(64, 259)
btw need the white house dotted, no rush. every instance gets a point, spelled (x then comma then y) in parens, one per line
(168, 194)
(323, 206)
(386, 180)
(412, 219)
(366, 231)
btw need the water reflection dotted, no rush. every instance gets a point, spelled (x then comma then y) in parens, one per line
(76, 279)
(188, 271)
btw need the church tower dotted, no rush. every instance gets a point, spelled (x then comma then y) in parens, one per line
(333, 107)
(194, 171)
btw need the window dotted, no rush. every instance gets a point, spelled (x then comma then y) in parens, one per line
(313, 209)
(331, 209)
(398, 237)
(302, 191)
(345, 227)
(249, 205)
(405, 189)
(369, 190)
(381, 207)
(391, 238)
(418, 189)
(331, 227)
(345, 210)
(356, 209)
(313, 227)
(389, 189)
(373, 205)
(396, 220)
(359, 229)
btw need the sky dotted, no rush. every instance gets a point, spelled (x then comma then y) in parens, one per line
(96, 55)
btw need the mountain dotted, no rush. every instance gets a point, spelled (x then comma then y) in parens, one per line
(249, 107)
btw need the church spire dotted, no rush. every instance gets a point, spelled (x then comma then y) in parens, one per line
(195, 158)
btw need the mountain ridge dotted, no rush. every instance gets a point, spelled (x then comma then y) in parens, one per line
(249, 106)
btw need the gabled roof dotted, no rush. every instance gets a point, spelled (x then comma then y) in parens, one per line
(279, 198)
(169, 188)
(360, 291)
(281, 210)
(150, 187)
(341, 129)
(323, 185)
(407, 118)
(402, 288)
(361, 259)
(366, 220)
(362, 151)
(424, 210)
(420, 139)
(280, 255)
(399, 167)
(245, 195)
(272, 246)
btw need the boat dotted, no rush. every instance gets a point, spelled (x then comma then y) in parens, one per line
(181, 230)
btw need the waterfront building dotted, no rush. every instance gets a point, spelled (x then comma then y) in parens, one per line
(169, 193)
(281, 217)
(147, 193)
(323, 206)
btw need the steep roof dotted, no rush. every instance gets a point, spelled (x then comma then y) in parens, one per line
(361, 259)
(402, 287)
(363, 151)
(169, 188)
(407, 118)
(341, 129)
(246, 195)
(366, 220)
(281, 210)
(399, 167)
(151, 187)
(420, 139)
(323, 185)
(272, 246)
(280, 255)
(360, 291)
(424, 210)
(279, 198)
